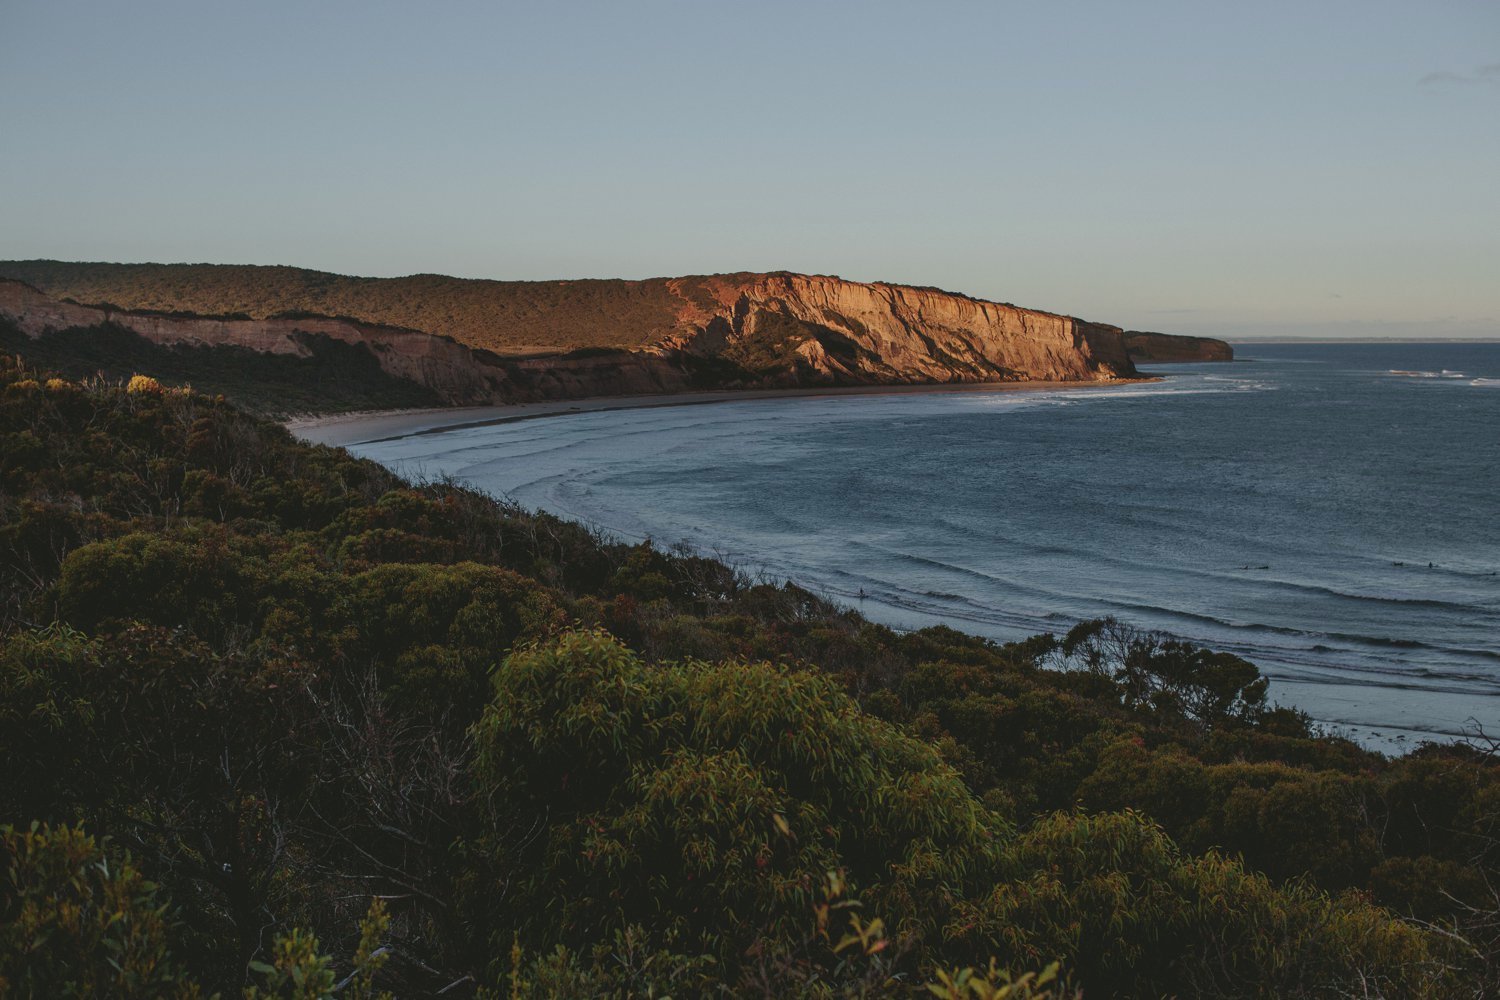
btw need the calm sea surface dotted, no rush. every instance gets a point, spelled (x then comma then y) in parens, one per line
(1328, 512)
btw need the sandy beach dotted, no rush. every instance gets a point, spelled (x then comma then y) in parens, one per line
(343, 429)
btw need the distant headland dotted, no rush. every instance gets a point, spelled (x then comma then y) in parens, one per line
(1166, 347)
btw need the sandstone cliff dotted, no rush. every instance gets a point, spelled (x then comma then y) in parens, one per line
(726, 331)
(819, 328)
(1163, 347)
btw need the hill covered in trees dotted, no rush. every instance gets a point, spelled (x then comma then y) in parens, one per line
(276, 721)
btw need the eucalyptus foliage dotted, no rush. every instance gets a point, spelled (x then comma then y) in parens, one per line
(275, 720)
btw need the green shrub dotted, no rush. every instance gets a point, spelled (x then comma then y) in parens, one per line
(1130, 915)
(78, 921)
(695, 789)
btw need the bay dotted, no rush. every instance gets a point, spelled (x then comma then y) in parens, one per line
(1327, 511)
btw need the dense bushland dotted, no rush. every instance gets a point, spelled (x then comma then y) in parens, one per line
(275, 720)
(336, 377)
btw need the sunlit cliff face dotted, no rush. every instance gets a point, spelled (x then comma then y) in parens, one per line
(881, 332)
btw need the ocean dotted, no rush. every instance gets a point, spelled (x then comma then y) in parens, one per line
(1328, 512)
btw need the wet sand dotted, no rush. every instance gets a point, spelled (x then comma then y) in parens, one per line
(343, 429)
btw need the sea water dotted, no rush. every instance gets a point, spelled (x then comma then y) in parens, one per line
(1328, 512)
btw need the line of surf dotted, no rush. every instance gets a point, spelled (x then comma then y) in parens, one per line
(382, 426)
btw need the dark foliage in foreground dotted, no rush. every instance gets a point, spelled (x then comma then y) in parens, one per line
(249, 686)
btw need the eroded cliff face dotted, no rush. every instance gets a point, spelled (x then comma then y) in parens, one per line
(823, 329)
(722, 331)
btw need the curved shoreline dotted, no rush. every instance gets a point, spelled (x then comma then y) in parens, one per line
(368, 426)
(1390, 699)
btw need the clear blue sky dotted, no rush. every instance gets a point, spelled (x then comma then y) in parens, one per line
(1230, 168)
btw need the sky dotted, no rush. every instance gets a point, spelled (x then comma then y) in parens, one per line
(1312, 168)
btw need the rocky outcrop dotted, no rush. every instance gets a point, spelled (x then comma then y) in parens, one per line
(1166, 347)
(720, 331)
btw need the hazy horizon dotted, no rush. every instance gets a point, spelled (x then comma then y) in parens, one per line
(1236, 172)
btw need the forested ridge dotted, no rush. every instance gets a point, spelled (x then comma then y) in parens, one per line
(278, 723)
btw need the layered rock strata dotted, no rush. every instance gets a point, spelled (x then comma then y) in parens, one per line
(851, 332)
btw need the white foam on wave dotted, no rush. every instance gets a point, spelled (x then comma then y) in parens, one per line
(1085, 394)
